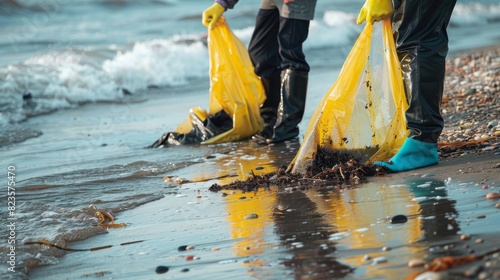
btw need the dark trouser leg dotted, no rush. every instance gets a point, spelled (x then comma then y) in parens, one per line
(422, 46)
(263, 51)
(269, 109)
(292, 35)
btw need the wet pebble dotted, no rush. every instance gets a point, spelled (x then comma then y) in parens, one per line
(185, 270)
(399, 219)
(259, 168)
(386, 248)
(497, 205)
(493, 195)
(251, 216)
(492, 124)
(429, 275)
(367, 257)
(473, 271)
(185, 248)
(295, 245)
(379, 260)
(190, 258)
(215, 249)
(228, 261)
(465, 236)
(483, 275)
(161, 269)
(416, 263)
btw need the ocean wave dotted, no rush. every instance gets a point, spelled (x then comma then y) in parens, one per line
(475, 14)
(69, 77)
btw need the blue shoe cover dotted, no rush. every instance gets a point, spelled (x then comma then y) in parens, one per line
(412, 155)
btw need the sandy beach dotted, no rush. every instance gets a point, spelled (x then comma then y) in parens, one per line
(334, 232)
(88, 85)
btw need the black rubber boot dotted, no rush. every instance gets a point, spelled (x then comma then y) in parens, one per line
(269, 110)
(202, 130)
(291, 108)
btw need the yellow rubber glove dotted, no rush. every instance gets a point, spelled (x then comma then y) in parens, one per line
(212, 14)
(375, 10)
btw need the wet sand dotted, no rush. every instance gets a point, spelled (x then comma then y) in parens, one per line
(335, 232)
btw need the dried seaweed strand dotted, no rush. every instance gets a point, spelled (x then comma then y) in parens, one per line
(448, 262)
(47, 243)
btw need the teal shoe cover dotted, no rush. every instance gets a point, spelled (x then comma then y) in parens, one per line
(412, 155)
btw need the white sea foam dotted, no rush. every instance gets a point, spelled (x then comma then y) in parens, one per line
(66, 77)
(475, 14)
(158, 62)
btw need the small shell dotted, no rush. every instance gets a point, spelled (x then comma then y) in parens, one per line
(416, 263)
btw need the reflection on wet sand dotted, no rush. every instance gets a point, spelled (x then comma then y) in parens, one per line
(333, 232)
(304, 233)
(302, 245)
(437, 212)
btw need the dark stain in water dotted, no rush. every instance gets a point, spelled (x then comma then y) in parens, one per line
(305, 232)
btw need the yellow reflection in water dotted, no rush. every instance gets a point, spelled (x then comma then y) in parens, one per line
(249, 160)
(252, 230)
(364, 214)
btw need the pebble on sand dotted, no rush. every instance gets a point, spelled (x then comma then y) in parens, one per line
(416, 263)
(493, 195)
(251, 216)
(399, 219)
(465, 237)
(161, 269)
(185, 248)
(379, 260)
(189, 257)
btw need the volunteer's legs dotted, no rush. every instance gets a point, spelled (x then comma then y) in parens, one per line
(291, 36)
(422, 46)
(291, 109)
(263, 51)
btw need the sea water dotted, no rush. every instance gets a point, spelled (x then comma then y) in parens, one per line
(85, 86)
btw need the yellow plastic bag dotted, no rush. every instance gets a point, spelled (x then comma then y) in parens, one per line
(234, 87)
(363, 113)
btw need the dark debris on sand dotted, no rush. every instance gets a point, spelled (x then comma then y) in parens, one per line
(329, 168)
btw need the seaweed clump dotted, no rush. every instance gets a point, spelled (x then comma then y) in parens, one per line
(328, 168)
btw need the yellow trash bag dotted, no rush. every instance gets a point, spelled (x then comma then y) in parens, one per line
(363, 113)
(236, 94)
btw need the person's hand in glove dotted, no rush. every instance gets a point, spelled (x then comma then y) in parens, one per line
(375, 10)
(212, 14)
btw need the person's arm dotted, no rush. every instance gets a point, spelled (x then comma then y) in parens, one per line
(212, 14)
(375, 10)
(227, 4)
